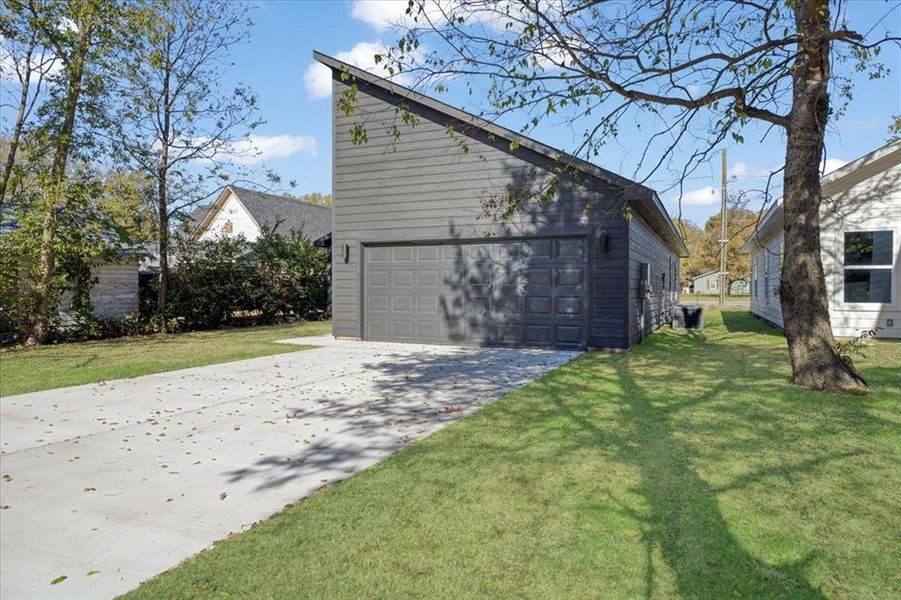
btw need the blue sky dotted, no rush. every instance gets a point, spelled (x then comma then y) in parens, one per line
(296, 139)
(277, 64)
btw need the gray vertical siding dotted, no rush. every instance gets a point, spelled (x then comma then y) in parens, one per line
(423, 187)
(647, 314)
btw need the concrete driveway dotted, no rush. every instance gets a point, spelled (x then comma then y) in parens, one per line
(109, 484)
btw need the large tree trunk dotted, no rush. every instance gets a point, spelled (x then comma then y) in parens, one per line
(163, 235)
(39, 327)
(162, 198)
(802, 291)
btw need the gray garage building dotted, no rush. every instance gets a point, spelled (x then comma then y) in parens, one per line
(417, 257)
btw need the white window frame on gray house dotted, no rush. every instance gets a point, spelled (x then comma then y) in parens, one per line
(881, 266)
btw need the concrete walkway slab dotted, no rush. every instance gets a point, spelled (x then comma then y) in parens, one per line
(109, 484)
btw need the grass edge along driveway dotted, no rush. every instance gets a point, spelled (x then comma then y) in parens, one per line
(687, 467)
(60, 365)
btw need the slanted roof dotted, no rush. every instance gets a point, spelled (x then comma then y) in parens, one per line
(832, 183)
(707, 274)
(644, 199)
(273, 211)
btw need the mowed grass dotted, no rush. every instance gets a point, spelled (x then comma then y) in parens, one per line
(687, 467)
(47, 367)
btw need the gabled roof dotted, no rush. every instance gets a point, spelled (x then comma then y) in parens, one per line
(644, 199)
(832, 183)
(271, 211)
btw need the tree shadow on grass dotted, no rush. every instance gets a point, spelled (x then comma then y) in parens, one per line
(744, 322)
(685, 521)
(677, 402)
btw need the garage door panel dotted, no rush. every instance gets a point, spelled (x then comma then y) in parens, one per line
(377, 303)
(538, 277)
(570, 248)
(377, 254)
(402, 330)
(403, 254)
(427, 279)
(568, 334)
(524, 292)
(402, 278)
(402, 304)
(569, 276)
(537, 249)
(377, 328)
(378, 278)
(429, 253)
(427, 304)
(569, 305)
(428, 331)
(537, 305)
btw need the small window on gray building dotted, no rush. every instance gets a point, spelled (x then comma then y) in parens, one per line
(868, 266)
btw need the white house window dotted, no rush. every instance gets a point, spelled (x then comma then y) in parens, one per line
(868, 266)
(228, 227)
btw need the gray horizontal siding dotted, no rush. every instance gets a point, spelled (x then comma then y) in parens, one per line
(647, 314)
(423, 187)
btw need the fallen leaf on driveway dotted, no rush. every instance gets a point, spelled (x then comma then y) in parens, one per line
(223, 495)
(59, 579)
(89, 573)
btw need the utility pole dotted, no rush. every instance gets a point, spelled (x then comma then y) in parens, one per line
(724, 236)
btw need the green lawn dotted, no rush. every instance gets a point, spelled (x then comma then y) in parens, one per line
(687, 467)
(47, 367)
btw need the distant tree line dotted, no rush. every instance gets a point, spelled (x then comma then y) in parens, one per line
(704, 245)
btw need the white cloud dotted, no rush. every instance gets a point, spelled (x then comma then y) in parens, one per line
(260, 148)
(743, 169)
(700, 196)
(381, 14)
(739, 169)
(318, 78)
(42, 63)
(832, 164)
(495, 14)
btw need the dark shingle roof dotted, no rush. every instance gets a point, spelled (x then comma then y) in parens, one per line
(194, 217)
(288, 214)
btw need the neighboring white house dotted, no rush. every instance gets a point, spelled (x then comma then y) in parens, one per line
(860, 235)
(242, 212)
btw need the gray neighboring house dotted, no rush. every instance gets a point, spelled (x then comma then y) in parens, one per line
(415, 259)
(240, 211)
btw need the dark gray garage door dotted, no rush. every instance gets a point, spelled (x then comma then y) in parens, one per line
(521, 293)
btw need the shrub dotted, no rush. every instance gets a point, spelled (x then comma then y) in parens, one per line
(231, 281)
(209, 283)
(289, 277)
